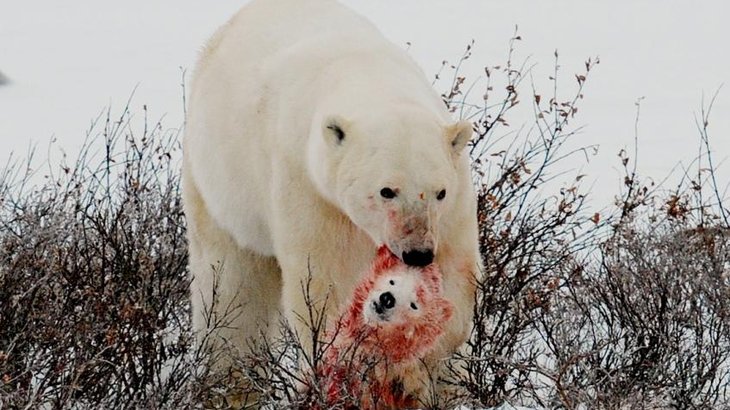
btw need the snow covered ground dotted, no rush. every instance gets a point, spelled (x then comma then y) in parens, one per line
(66, 61)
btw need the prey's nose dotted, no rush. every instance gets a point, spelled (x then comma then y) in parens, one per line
(387, 300)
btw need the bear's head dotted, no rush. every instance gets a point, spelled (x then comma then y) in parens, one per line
(399, 308)
(394, 173)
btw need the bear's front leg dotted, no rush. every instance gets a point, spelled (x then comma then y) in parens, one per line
(316, 283)
(309, 301)
(322, 256)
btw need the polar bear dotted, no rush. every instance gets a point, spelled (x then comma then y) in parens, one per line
(310, 141)
(396, 316)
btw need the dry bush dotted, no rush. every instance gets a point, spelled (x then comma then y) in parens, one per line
(93, 282)
(645, 323)
(578, 309)
(526, 234)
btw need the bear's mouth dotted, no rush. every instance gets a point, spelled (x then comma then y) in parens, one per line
(416, 257)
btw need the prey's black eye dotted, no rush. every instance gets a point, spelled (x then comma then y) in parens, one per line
(392, 283)
(387, 193)
(413, 306)
(441, 195)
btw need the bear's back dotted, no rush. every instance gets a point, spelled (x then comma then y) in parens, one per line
(273, 52)
(265, 28)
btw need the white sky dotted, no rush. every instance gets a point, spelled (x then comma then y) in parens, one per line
(69, 60)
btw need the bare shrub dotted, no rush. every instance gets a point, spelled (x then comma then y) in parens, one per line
(578, 309)
(93, 283)
(525, 234)
(645, 323)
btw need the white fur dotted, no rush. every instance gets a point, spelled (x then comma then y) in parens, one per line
(272, 195)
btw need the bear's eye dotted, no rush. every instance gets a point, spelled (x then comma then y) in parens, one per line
(441, 195)
(387, 193)
(413, 306)
(337, 131)
(392, 282)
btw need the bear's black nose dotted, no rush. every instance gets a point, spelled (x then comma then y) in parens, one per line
(418, 258)
(387, 300)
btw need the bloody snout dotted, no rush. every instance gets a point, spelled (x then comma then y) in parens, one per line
(418, 258)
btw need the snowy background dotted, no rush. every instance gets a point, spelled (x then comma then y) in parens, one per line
(67, 61)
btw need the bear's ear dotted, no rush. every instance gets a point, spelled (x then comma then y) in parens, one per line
(334, 130)
(457, 135)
